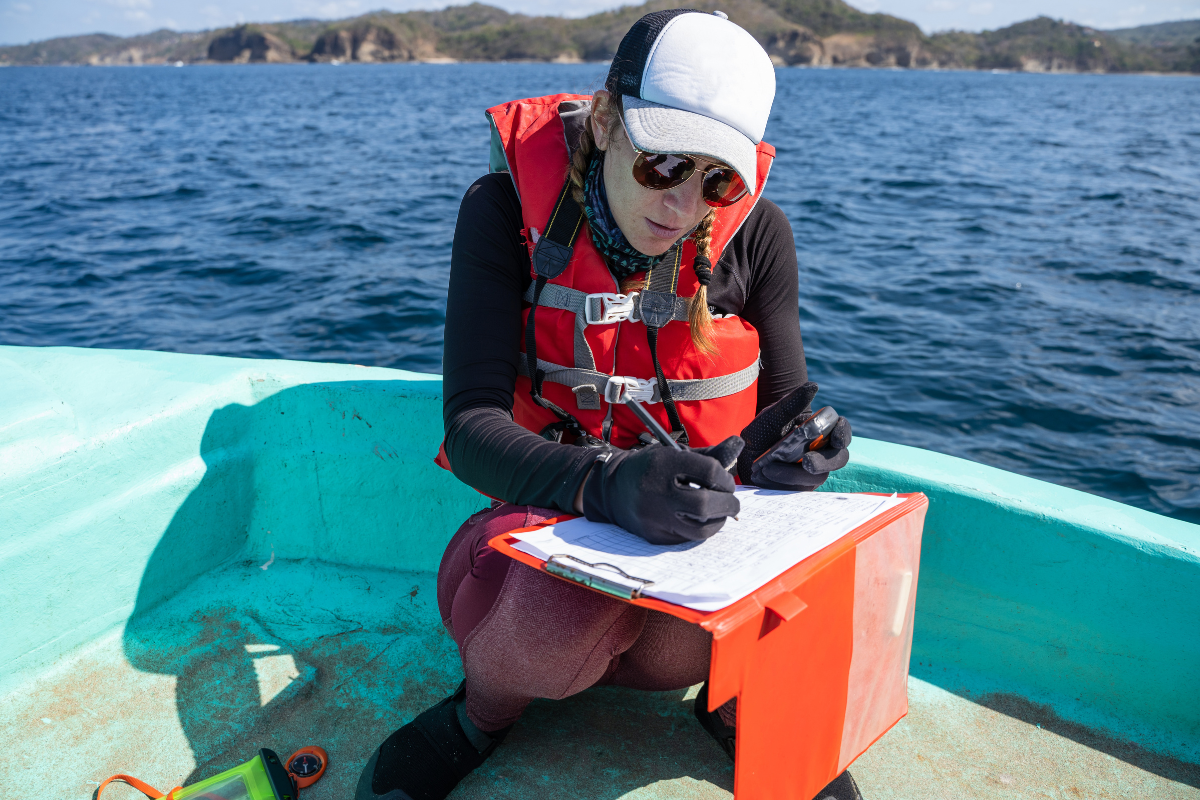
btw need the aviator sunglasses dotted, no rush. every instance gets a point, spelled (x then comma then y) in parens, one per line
(722, 185)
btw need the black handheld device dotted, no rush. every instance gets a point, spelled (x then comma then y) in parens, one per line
(810, 434)
(817, 427)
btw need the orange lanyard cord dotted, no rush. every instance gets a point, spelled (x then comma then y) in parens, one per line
(141, 786)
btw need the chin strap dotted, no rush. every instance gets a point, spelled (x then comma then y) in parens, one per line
(141, 786)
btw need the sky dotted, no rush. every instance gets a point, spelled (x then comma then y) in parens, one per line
(24, 21)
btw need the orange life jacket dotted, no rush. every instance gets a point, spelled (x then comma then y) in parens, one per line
(585, 332)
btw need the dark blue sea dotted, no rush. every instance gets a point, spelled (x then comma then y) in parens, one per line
(1001, 267)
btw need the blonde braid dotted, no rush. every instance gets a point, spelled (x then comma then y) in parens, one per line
(699, 318)
(580, 160)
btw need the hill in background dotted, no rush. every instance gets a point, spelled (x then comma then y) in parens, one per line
(1164, 34)
(794, 32)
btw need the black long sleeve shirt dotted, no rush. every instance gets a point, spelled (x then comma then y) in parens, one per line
(756, 279)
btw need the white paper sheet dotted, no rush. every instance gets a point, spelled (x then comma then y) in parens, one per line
(774, 532)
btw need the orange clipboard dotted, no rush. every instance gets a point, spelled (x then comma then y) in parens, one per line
(817, 657)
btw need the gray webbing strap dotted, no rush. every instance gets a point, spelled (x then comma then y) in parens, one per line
(565, 298)
(681, 390)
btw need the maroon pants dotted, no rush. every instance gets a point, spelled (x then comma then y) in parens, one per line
(523, 634)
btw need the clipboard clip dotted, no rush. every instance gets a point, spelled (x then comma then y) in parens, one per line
(556, 565)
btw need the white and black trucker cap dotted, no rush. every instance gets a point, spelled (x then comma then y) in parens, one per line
(694, 82)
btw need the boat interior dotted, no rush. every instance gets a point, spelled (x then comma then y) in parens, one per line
(203, 556)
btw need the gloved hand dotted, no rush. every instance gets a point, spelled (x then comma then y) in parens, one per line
(768, 444)
(664, 495)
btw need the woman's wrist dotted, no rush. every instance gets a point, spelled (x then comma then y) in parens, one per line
(578, 505)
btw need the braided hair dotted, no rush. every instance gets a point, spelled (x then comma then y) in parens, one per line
(699, 317)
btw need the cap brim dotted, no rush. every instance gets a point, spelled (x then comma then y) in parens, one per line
(657, 128)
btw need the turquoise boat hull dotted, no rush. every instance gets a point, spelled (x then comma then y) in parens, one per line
(205, 555)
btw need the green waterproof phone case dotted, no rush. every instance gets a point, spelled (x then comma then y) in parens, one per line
(261, 778)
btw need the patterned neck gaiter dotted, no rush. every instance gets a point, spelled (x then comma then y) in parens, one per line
(622, 259)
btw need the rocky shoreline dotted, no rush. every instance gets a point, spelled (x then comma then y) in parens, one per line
(813, 33)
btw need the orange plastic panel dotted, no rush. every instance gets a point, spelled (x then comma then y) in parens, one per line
(885, 595)
(813, 656)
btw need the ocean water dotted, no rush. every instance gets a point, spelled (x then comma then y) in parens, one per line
(1000, 267)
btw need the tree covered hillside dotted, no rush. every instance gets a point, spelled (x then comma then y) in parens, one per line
(794, 32)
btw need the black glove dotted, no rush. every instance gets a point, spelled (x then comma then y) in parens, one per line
(651, 491)
(768, 443)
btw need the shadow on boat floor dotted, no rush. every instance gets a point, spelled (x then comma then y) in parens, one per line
(1043, 716)
(302, 652)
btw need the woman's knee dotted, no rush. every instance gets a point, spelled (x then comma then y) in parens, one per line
(548, 638)
(669, 654)
(464, 550)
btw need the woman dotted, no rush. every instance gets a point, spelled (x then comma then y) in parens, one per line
(620, 245)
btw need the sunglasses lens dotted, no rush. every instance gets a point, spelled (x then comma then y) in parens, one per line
(723, 187)
(662, 170)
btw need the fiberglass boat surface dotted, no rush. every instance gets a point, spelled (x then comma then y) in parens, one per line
(203, 556)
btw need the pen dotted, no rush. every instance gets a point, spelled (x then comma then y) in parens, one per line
(651, 423)
(658, 430)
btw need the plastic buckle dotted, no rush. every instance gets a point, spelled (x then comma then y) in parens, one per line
(621, 389)
(613, 307)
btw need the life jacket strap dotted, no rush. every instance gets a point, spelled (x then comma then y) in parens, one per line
(658, 304)
(682, 390)
(551, 254)
(597, 308)
(657, 308)
(664, 388)
(600, 308)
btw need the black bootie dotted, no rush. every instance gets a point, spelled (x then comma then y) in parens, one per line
(711, 721)
(842, 787)
(428, 757)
